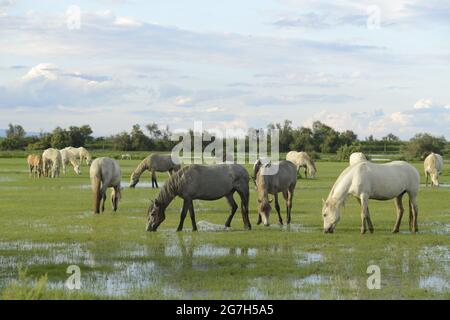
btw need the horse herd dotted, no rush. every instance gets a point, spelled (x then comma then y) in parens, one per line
(52, 160)
(362, 178)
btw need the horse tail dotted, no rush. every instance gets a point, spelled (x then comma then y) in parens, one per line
(96, 185)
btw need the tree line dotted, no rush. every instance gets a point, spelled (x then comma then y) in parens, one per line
(319, 138)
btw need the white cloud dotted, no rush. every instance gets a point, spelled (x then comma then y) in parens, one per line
(423, 104)
(47, 86)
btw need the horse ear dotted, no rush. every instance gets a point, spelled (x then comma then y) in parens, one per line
(323, 201)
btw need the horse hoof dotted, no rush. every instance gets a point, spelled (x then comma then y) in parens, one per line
(395, 231)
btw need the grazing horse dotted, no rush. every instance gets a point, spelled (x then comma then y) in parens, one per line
(126, 156)
(105, 173)
(433, 166)
(81, 153)
(202, 182)
(272, 179)
(51, 162)
(154, 163)
(367, 180)
(67, 155)
(35, 165)
(302, 159)
(356, 157)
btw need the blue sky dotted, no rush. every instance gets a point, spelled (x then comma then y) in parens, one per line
(371, 66)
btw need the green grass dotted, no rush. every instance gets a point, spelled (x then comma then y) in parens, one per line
(47, 225)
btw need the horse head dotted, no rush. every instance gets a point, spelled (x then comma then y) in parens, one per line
(156, 215)
(331, 215)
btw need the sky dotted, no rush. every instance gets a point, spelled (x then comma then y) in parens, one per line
(374, 67)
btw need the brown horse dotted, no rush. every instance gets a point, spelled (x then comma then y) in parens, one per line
(35, 165)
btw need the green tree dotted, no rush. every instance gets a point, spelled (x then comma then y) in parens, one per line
(15, 138)
(121, 141)
(422, 144)
(60, 138)
(139, 141)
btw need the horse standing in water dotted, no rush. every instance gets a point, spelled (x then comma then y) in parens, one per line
(202, 182)
(274, 178)
(367, 180)
(154, 163)
(105, 173)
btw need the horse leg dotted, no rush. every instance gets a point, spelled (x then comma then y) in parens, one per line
(234, 208)
(426, 179)
(245, 198)
(183, 214)
(400, 210)
(290, 196)
(364, 212)
(415, 212)
(192, 214)
(277, 207)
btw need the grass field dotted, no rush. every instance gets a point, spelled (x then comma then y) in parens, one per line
(47, 225)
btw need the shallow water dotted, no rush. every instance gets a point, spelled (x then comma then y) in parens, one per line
(135, 267)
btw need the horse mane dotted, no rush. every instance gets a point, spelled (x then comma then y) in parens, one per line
(172, 186)
(142, 166)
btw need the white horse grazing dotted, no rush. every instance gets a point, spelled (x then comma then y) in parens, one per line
(126, 156)
(433, 166)
(82, 153)
(302, 159)
(356, 157)
(105, 173)
(67, 155)
(51, 161)
(367, 180)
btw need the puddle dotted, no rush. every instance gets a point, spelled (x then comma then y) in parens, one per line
(203, 225)
(7, 179)
(312, 280)
(211, 251)
(441, 185)
(309, 257)
(434, 283)
(293, 227)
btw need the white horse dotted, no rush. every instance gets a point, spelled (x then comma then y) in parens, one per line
(105, 173)
(81, 153)
(433, 166)
(356, 157)
(51, 161)
(302, 159)
(367, 180)
(68, 156)
(126, 156)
